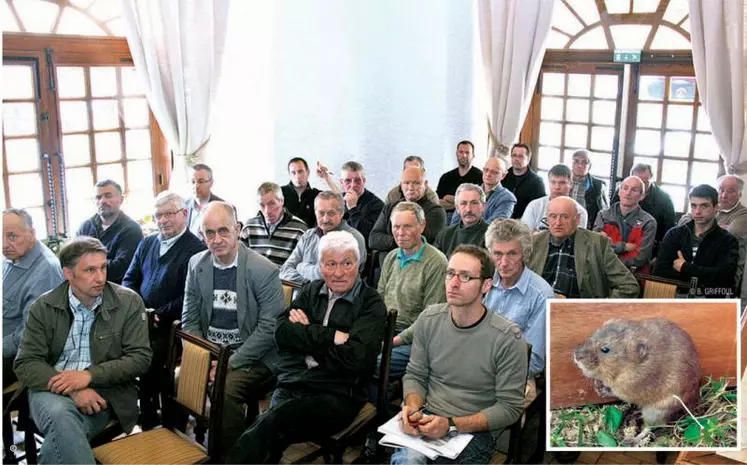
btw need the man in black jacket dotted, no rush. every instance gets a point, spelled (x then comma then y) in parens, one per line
(656, 203)
(524, 183)
(328, 341)
(590, 192)
(298, 194)
(701, 248)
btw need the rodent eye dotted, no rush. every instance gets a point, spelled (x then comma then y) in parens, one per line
(605, 349)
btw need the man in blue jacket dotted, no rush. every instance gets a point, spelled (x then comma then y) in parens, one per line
(158, 273)
(119, 233)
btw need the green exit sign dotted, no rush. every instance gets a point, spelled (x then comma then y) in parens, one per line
(627, 56)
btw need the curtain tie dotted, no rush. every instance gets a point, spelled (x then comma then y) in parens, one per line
(193, 157)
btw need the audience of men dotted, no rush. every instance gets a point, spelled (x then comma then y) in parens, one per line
(578, 263)
(362, 207)
(328, 341)
(464, 172)
(701, 248)
(631, 230)
(274, 232)
(85, 343)
(518, 293)
(656, 202)
(29, 270)
(202, 194)
(524, 183)
(303, 263)
(499, 201)
(158, 273)
(535, 214)
(471, 227)
(481, 397)
(119, 233)
(396, 194)
(590, 192)
(413, 186)
(298, 194)
(233, 296)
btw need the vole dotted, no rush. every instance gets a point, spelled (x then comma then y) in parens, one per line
(644, 362)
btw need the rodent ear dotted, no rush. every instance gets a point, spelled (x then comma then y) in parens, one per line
(642, 350)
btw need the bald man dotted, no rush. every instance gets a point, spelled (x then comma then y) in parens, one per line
(578, 263)
(500, 202)
(631, 230)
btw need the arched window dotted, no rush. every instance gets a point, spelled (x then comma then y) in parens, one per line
(74, 113)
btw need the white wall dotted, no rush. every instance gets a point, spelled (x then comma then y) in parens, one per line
(370, 80)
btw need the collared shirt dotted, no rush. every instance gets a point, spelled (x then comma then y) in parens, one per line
(166, 244)
(560, 268)
(416, 257)
(221, 266)
(524, 303)
(76, 355)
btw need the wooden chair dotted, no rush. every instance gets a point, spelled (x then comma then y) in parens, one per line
(289, 290)
(169, 445)
(334, 447)
(14, 399)
(655, 287)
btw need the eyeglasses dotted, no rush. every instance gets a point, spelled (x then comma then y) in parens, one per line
(346, 265)
(553, 217)
(222, 232)
(463, 277)
(511, 255)
(200, 181)
(167, 214)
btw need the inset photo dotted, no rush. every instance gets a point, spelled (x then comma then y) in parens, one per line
(643, 374)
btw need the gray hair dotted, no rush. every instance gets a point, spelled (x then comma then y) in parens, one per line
(270, 187)
(507, 231)
(72, 251)
(167, 197)
(354, 167)
(739, 180)
(582, 152)
(640, 168)
(643, 184)
(339, 241)
(414, 159)
(21, 213)
(202, 167)
(413, 207)
(467, 186)
(109, 182)
(329, 195)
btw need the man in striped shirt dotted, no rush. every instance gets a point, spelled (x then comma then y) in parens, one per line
(274, 232)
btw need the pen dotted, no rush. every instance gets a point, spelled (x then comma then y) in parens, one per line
(422, 407)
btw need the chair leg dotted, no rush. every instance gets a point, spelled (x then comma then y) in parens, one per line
(8, 442)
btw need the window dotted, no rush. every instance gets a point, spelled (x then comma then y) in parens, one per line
(74, 113)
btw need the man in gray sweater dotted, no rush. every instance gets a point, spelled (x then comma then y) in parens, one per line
(481, 397)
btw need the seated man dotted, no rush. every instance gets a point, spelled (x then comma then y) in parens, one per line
(499, 201)
(464, 172)
(631, 230)
(535, 214)
(303, 263)
(85, 343)
(413, 186)
(158, 273)
(471, 227)
(481, 397)
(362, 207)
(274, 232)
(524, 183)
(233, 296)
(328, 341)
(588, 191)
(30, 270)
(701, 248)
(578, 263)
(119, 233)
(202, 194)
(298, 194)
(396, 193)
(517, 292)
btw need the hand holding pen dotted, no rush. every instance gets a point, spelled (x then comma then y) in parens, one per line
(411, 418)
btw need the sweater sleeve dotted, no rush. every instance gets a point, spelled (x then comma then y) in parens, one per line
(288, 270)
(418, 369)
(126, 247)
(510, 357)
(381, 238)
(435, 222)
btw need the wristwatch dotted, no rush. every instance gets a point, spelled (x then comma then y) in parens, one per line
(452, 428)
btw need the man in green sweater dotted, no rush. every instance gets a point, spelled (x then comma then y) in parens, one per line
(470, 204)
(481, 397)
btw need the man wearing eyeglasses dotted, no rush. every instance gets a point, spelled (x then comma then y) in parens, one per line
(158, 273)
(233, 296)
(119, 233)
(590, 192)
(481, 397)
(578, 263)
(328, 341)
(499, 202)
(202, 185)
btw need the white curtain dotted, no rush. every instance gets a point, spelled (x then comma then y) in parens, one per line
(718, 55)
(177, 46)
(512, 43)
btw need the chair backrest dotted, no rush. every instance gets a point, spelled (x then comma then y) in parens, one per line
(386, 363)
(289, 290)
(656, 287)
(560, 296)
(191, 394)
